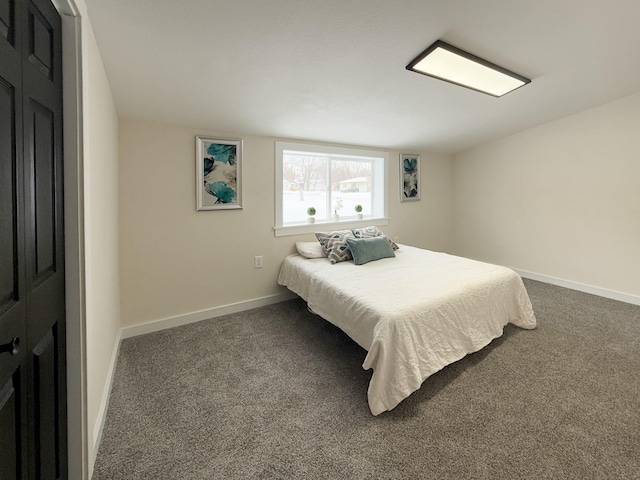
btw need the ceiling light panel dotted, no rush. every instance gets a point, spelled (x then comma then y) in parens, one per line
(448, 63)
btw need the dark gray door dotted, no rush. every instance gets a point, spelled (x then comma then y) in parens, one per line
(32, 311)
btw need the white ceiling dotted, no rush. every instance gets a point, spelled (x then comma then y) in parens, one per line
(334, 70)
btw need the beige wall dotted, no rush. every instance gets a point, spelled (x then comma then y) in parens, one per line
(100, 136)
(175, 261)
(561, 200)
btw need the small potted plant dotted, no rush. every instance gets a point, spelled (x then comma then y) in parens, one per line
(311, 211)
(337, 207)
(358, 209)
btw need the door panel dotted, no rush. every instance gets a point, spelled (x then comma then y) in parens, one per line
(40, 43)
(7, 20)
(42, 152)
(45, 405)
(9, 265)
(11, 445)
(10, 441)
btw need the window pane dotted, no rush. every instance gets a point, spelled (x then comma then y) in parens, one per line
(350, 186)
(304, 186)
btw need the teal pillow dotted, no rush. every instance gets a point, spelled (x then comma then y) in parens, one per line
(373, 231)
(365, 250)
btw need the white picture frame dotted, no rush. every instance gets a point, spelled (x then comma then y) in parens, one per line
(218, 173)
(410, 187)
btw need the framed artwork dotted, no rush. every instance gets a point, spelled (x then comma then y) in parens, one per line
(409, 177)
(218, 173)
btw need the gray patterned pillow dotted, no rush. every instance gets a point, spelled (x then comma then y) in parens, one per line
(370, 232)
(335, 245)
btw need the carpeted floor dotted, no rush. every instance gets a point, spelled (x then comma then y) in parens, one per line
(277, 392)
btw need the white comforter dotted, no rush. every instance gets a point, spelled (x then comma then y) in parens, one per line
(414, 314)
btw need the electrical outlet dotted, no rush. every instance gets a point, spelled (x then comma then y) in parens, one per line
(257, 261)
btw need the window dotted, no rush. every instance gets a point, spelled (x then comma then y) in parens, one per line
(333, 180)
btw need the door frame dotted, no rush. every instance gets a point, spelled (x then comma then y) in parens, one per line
(77, 433)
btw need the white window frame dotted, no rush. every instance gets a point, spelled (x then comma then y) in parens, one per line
(379, 186)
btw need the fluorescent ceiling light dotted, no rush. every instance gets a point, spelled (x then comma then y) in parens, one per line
(448, 63)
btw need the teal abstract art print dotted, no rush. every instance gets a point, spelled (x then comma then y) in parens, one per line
(218, 178)
(409, 177)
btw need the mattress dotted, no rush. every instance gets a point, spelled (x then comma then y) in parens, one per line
(414, 314)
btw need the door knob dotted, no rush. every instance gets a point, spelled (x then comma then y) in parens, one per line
(12, 347)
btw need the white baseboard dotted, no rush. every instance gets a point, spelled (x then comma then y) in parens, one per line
(104, 404)
(178, 320)
(602, 292)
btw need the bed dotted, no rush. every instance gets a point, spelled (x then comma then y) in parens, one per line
(414, 313)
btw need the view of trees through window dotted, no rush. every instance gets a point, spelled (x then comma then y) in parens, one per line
(332, 185)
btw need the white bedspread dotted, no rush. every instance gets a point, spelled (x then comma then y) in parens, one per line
(414, 314)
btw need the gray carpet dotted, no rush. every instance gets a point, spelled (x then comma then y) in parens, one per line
(277, 392)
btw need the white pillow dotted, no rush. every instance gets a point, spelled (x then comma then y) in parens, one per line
(310, 249)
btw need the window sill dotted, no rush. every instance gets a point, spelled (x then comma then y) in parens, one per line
(349, 223)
